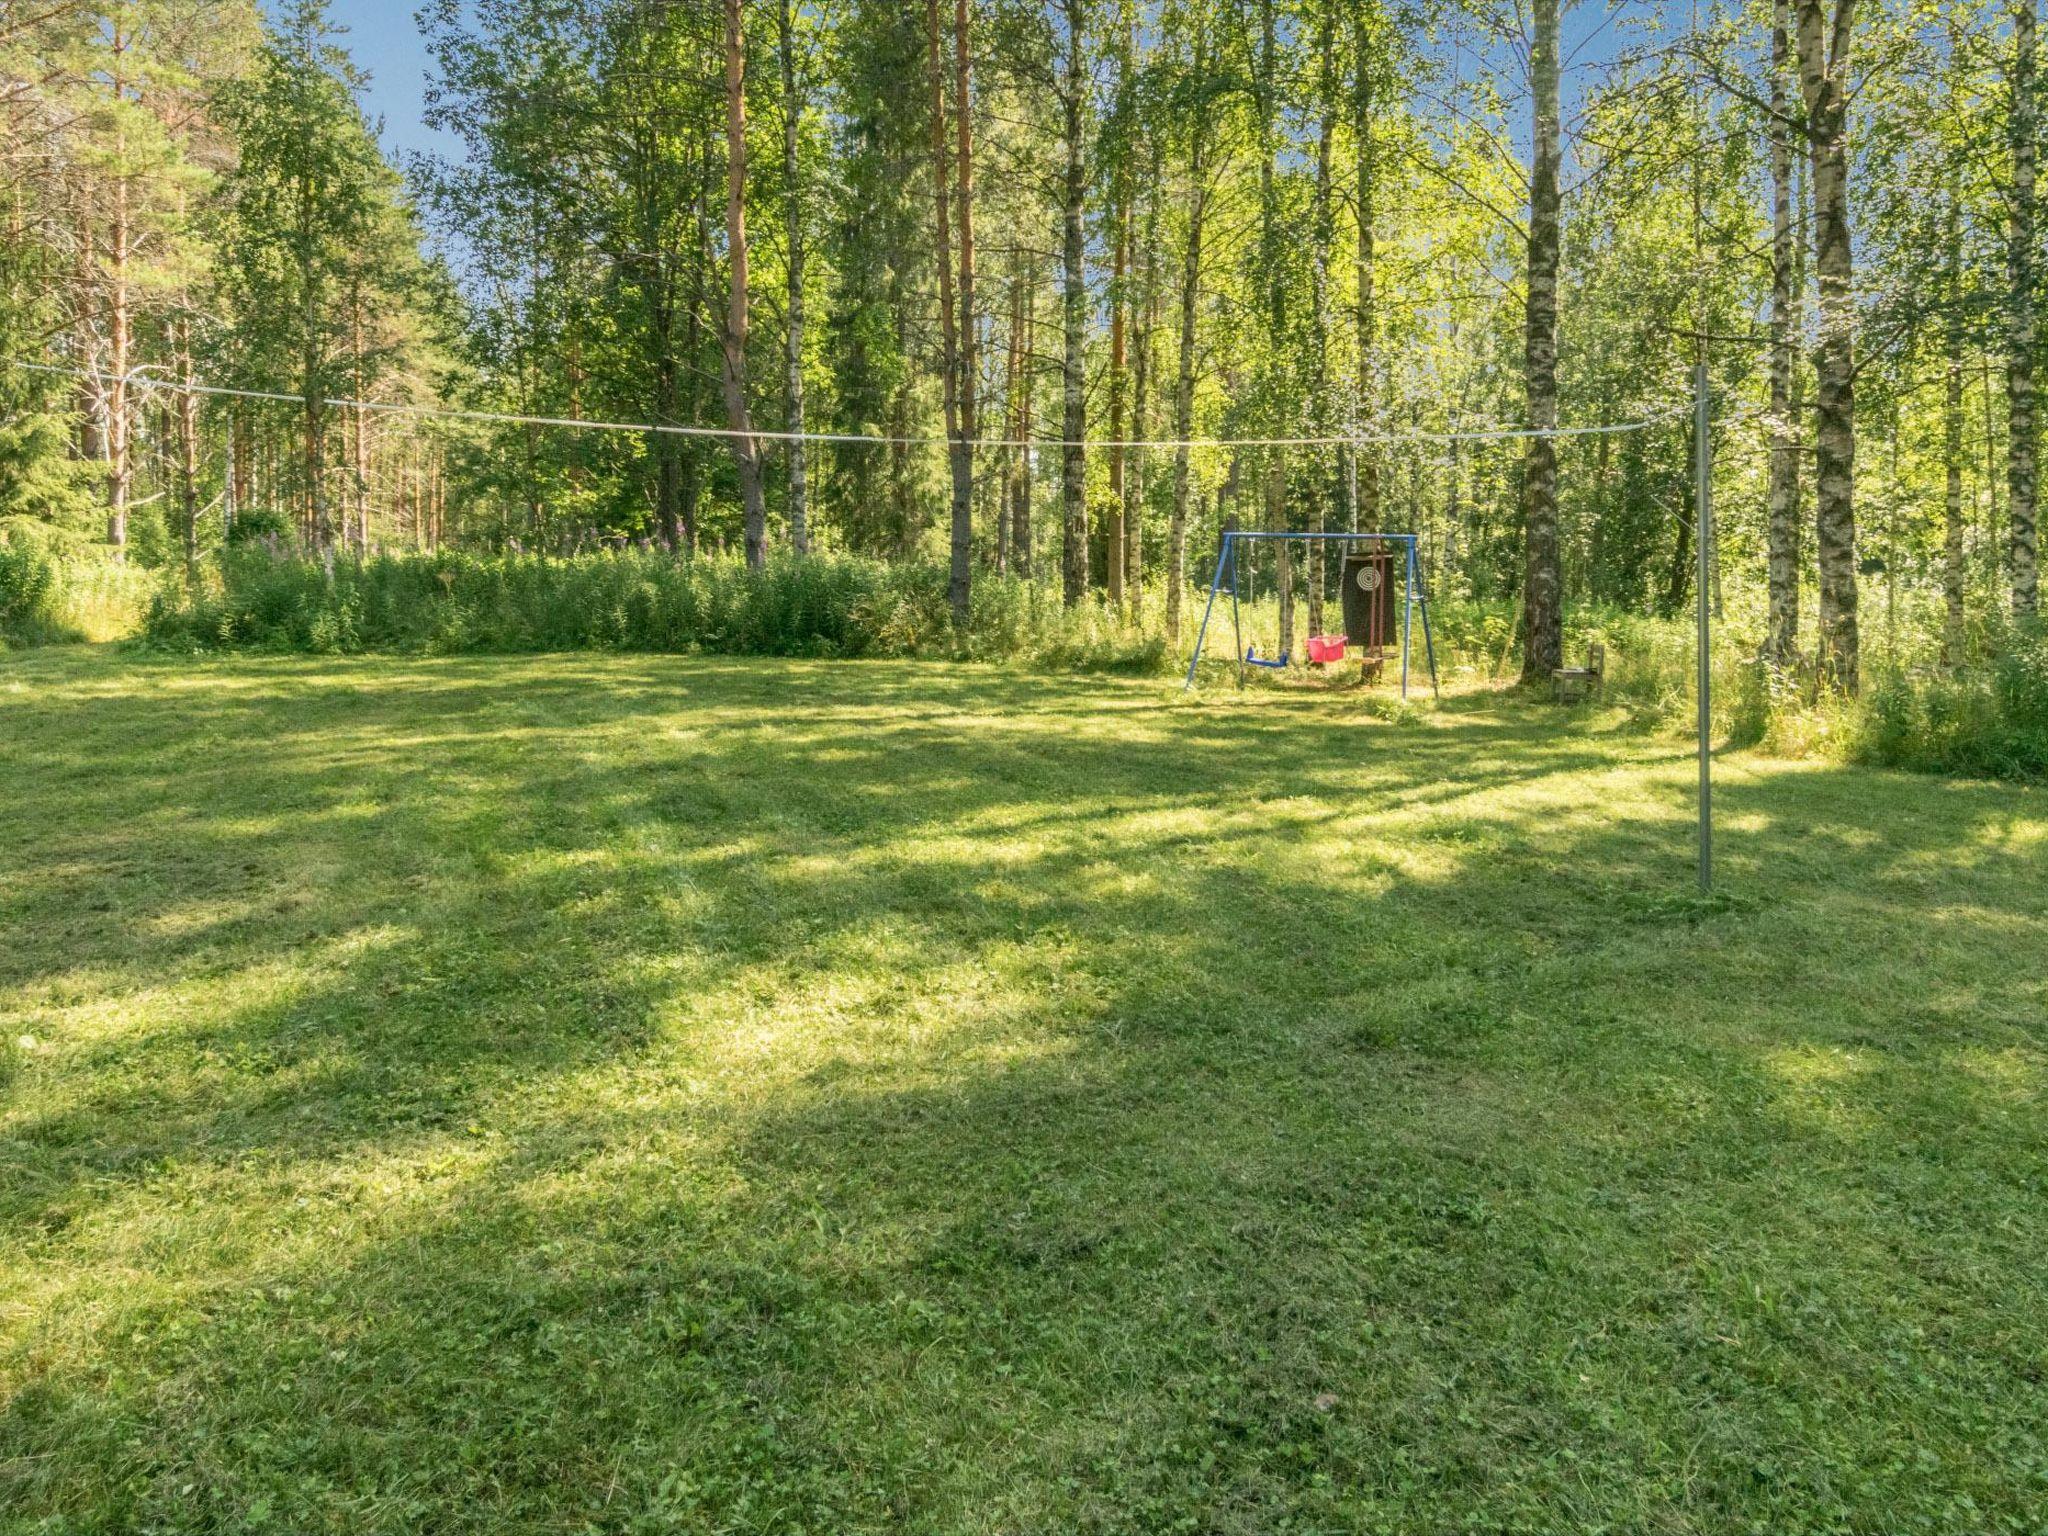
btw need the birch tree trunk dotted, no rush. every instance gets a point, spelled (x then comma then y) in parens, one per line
(1141, 416)
(1953, 575)
(2022, 432)
(1781, 643)
(745, 446)
(1542, 612)
(1825, 32)
(1364, 496)
(1119, 380)
(1323, 238)
(1266, 90)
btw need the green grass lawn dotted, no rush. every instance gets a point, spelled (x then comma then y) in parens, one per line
(647, 1095)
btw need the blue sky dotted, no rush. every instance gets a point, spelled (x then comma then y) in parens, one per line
(385, 42)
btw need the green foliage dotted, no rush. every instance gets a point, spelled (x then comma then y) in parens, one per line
(55, 588)
(39, 478)
(822, 605)
(28, 583)
(1989, 720)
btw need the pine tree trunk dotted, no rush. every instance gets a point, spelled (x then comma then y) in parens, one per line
(314, 445)
(1781, 644)
(793, 237)
(970, 415)
(2022, 431)
(1012, 374)
(1542, 612)
(1073, 275)
(958, 454)
(120, 338)
(1184, 383)
(188, 448)
(745, 446)
(1027, 428)
(1824, 42)
(359, 441)
(1953, 573)
(120, 316)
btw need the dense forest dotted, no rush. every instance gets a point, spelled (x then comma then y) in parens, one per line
(1054, 290)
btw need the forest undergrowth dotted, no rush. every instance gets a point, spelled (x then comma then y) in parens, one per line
(1987, 716)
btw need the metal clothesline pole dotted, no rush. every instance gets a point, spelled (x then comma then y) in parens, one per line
(1703, 504)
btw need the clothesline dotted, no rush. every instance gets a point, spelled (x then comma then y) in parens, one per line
(578, 423)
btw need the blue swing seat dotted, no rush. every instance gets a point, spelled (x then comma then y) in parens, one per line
(1252, 658)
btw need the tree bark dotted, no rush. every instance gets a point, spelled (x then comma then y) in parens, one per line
(793, 237)
(1953, 573)
(958, 453)
(1027, 427)
(1012, 375)
(120, 314)
(1363, 481)
(1119, 360)
(188, 447)
(1781, 643)
(359, 442)
(1141, 419)
(1825, 32)
(1542, 612)
(1323, 226)
(963, 135)
(2022, 431)
(1190, 308)
(1073, 415)
(745, 447)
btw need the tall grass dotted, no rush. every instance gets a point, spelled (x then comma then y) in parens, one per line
(50, 594)
(1991, 718)
(820, 605)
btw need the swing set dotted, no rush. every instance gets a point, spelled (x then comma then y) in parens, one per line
(1365, 585)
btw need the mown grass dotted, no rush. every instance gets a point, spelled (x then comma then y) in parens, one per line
(633, 1095)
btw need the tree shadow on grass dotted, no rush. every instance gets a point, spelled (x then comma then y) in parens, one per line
(838, 1126)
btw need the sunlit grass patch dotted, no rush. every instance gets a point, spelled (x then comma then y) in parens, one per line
(580, 1093)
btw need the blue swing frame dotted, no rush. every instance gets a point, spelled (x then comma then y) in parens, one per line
(1413, 592)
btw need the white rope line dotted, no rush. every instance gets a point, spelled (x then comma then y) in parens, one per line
(1485, 434)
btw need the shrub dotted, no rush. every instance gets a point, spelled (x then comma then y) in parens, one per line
(28, 583)
(1990, 720)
